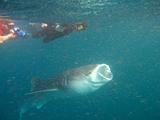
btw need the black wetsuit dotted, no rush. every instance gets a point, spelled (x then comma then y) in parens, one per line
(50, 33)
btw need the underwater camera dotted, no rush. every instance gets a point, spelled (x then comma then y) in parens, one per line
(19, 32)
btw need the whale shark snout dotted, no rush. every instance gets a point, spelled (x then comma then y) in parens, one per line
(90, 78)
(100, 75)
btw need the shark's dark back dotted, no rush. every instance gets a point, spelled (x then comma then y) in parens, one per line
(61, 81)
(58, 82)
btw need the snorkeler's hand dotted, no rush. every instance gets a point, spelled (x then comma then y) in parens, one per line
(10, 36)
(1, 41)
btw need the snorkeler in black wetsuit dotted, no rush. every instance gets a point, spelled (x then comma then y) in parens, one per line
(50, 31)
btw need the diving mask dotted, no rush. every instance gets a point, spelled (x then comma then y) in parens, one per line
(80, 26)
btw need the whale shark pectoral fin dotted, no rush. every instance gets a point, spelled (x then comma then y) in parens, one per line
(44, 96)
(37, 100)
(40, 104)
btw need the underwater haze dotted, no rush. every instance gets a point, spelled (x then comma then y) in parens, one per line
(125, 34)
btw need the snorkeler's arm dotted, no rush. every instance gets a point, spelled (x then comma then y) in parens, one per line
(7, 37)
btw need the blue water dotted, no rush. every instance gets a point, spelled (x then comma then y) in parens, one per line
(122, 33)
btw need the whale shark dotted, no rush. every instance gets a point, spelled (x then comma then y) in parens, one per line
(76, 81)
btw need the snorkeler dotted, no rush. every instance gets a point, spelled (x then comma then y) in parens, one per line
(5, 30)
(50, 31)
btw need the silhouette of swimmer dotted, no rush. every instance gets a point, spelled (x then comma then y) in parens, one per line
(50, 31)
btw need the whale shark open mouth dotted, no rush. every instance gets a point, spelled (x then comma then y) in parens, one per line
(106, 78)
(101, 72)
